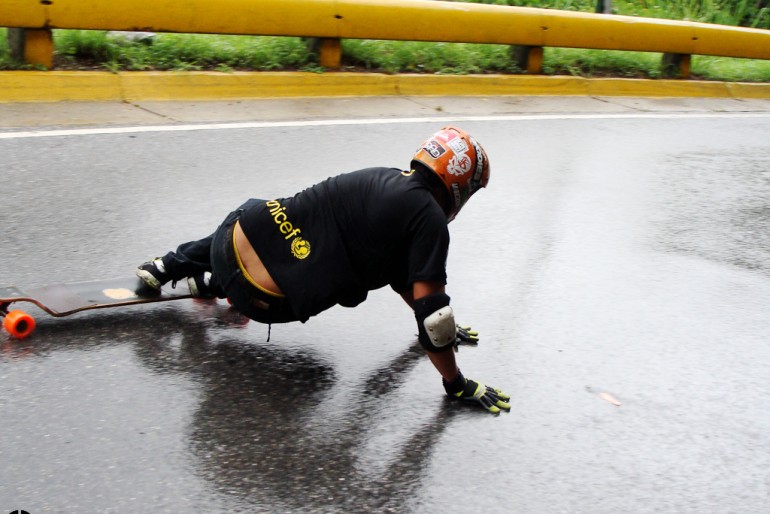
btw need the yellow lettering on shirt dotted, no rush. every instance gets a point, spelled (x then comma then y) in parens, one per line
(299, 247)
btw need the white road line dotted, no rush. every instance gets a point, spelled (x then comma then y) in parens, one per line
(373, 121)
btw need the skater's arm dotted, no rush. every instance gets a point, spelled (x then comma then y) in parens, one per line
(438, 335)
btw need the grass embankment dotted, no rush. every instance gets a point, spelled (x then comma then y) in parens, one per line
(98, 50)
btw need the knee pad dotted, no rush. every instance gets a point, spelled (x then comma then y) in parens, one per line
(435, 322)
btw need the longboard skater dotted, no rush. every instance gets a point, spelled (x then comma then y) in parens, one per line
(60, 300)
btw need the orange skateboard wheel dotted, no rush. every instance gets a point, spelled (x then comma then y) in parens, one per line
(19, 324)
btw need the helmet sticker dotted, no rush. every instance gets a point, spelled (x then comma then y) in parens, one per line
(459, 165)
(434, 148)
(458, 198)
(477, 175)
(458, 145)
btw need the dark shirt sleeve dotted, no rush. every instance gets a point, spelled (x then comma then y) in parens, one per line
(427, 251)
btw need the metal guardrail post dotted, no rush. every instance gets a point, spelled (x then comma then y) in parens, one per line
(677, 65)
(32, 46)
(328, 50)
(330, 53)
(529, 58)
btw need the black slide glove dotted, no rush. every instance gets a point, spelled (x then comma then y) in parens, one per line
(466, 336)
(492, 399)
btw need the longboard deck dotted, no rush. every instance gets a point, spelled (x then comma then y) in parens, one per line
(65, 299)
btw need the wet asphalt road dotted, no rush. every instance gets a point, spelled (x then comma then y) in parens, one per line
(618, 271)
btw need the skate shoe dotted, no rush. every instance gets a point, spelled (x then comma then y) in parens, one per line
(153, 274)
(201, 286)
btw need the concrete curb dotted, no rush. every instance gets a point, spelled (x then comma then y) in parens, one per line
(58, 86)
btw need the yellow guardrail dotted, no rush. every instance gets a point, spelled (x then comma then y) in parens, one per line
(409, 20)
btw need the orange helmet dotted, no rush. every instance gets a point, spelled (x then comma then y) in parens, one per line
(458, 160)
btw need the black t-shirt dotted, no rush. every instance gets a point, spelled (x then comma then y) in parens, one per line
(350, 234)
